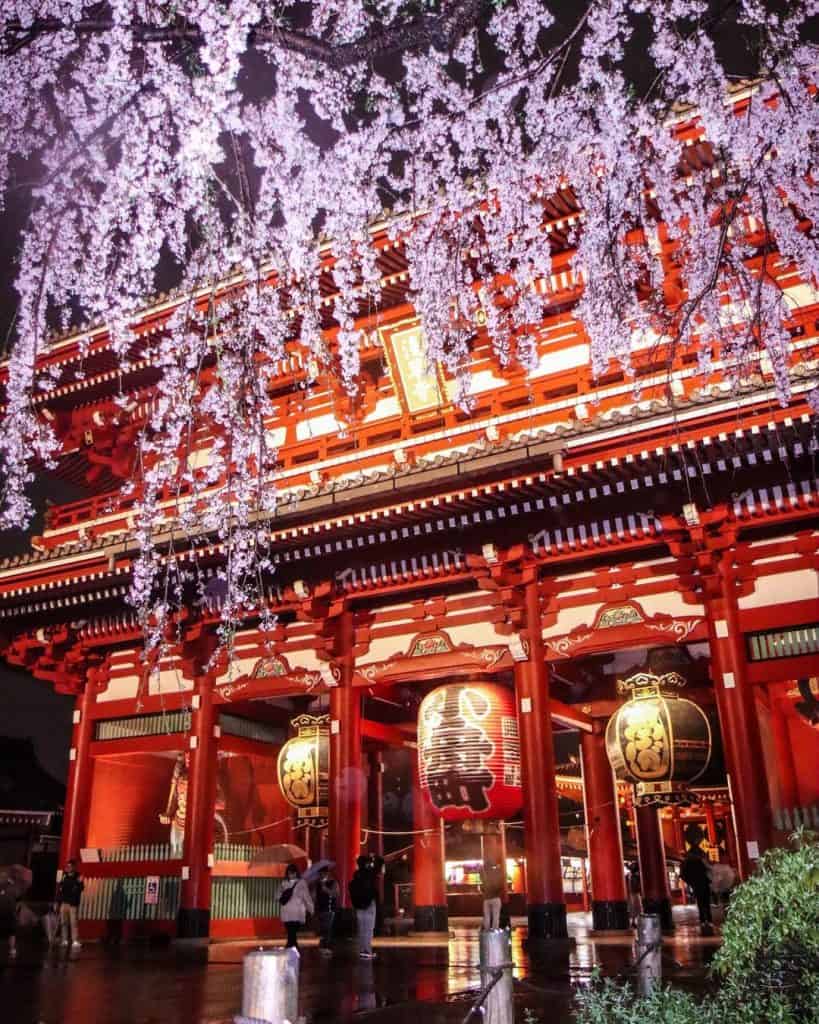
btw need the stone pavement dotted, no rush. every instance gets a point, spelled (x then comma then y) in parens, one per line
(427, 977)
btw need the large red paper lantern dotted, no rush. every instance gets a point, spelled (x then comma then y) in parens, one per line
(469, 751)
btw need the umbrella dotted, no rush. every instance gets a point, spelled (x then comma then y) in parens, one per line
(312, 873)
(283, 853)
(19, 876)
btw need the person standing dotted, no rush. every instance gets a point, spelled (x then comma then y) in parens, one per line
(492, 887)
(635, 903)
(327, 893)
(295, 903)
(364, 897)
(8, 912)
(694, 872)
(69, 894)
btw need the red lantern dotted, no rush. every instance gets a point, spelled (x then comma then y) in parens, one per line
(469, 751)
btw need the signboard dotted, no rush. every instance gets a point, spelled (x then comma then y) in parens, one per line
(152, 889)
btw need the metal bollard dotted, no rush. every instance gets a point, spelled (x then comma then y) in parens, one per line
(496, 955)
(649, 953)
(270, 987)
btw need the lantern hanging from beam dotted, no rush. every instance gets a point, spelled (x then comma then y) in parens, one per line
(469, 751)
(304, 769)
(657, 741)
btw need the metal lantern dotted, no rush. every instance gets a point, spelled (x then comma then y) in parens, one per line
(469, 751)
(304, 769)
(657, 741)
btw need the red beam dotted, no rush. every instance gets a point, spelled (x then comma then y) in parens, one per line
(389, 735)
(568, 715)
(242, 745)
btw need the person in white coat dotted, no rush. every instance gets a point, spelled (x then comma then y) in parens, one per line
(295, 903)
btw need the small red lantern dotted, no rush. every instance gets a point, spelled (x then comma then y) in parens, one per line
(469, 751)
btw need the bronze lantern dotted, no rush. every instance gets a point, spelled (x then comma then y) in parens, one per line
(304, 769)
(657, 741)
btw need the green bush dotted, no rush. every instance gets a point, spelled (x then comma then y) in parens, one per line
(767, 969)
(768, 964)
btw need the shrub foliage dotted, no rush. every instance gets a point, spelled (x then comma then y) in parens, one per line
(767, 969)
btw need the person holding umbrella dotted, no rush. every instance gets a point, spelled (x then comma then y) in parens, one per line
(296, 903)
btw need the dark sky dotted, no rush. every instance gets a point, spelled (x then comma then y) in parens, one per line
(32, 709)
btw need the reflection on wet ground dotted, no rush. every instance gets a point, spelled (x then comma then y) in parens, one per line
(431, 978)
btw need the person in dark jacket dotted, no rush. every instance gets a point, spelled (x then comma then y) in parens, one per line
(694, 872)
(8, 912)
(326, 900)
(364, 897)
(635, 903)
(492, 888)
(69, 894)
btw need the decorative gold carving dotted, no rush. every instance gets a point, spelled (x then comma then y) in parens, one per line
(680, 629)
(490, 656)
(432, 643)
(229, 690)
(642, 683)
(621, 615)
(564, 644)
(271, 666)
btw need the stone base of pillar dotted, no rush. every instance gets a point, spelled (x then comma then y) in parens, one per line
(663, 910)
(610, 915)
(431, 919)
(547, 921)
(193, 923)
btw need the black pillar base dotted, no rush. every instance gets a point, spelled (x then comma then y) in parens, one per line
(663, 910)
(344, 923)
(610, 915)
(431, 919)
(547, 921)
(192, 923)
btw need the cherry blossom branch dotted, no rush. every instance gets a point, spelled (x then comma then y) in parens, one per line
(439, 31)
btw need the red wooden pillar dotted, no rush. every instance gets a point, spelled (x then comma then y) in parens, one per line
(609, 900)
(679, 839)
(739, 726)
(347, 782)
(788, 788)
(428, 883)
(78, 787)
(194, 907)
(653, 872)
(546, 907)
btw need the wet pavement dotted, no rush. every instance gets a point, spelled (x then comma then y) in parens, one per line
(431, 977)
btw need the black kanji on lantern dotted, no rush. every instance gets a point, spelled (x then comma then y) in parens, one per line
(456, 748)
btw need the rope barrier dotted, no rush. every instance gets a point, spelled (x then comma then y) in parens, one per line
(480, 999)
(259, 828)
